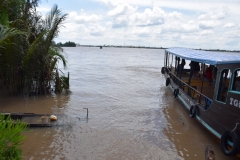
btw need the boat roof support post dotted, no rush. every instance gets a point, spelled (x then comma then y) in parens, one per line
(172, 61)
(175, 63)
(192, 69)
(165, 58)
(178, 67)
(182, 67)
(203, 69)
(168, 55)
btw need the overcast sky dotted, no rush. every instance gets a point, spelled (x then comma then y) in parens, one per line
(206, 24)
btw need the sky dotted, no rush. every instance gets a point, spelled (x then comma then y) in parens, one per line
(199, 24)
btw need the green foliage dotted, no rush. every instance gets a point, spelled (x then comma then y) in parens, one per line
(28, 55)
(6, 33)
(67, 44)
(62, 83)
(4, 18)
(11, 138)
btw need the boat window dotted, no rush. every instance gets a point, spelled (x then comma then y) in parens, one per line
(223, 85)
(172, 66)
(236, 80)
(177, 64)
(166, 63)
(168, 57)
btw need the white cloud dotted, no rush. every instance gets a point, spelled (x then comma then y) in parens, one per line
(83, 18)
(208, 24)
(175, 15)
(217, 15)
(206, 32)
(189, 5)
(109, 23)
(229, 25)
(142, 32)
(120, 22)
(149, 17)
(72, 31)
(232, 34)
(96, 29)
(191, 26)
(232, 43)
(166, 23)
(178, 27)
(121, 9)
(44, 9)
(79, 25)
(109, 3)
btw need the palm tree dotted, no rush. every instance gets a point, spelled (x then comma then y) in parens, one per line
(40, 62)
(53, 22)
(7, 57)
(28, 59)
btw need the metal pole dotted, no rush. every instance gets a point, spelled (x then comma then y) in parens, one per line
(87, 111)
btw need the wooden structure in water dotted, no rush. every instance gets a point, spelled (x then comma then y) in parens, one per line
(32, 119)
(215, 104)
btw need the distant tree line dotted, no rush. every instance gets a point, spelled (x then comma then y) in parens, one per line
(66, 44)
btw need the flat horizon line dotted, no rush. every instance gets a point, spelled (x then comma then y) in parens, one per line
(117, 46)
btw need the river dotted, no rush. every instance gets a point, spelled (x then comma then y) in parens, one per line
(132, 114)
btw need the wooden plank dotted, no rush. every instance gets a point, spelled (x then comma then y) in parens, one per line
(205, 88)
(195, 84)
(185, 75)
(33, 120)
(205, 84)
(194, 81)
(207, 91)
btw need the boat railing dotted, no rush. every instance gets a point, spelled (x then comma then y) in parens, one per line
(192, 91)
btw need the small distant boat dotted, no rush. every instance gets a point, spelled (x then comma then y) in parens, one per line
(32, 119)
(215, 105)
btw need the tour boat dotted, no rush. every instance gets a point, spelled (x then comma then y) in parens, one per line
(214, 102)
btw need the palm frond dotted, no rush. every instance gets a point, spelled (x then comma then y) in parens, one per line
(53, 23)
(56, 52)
(6, 33)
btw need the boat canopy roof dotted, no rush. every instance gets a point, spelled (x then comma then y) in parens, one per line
(201, 56)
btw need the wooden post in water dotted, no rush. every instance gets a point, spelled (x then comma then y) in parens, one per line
(209, 153)
(87, 111)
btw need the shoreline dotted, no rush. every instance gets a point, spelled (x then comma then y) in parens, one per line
(143, 47)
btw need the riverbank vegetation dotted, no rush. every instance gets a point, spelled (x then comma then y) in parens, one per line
(66, 44)
(28, 57)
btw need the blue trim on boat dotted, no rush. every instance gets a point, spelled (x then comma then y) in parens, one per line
(208, 127)
(235, 92)
(202, 56)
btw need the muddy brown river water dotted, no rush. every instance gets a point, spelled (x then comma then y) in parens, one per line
(132, 114)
